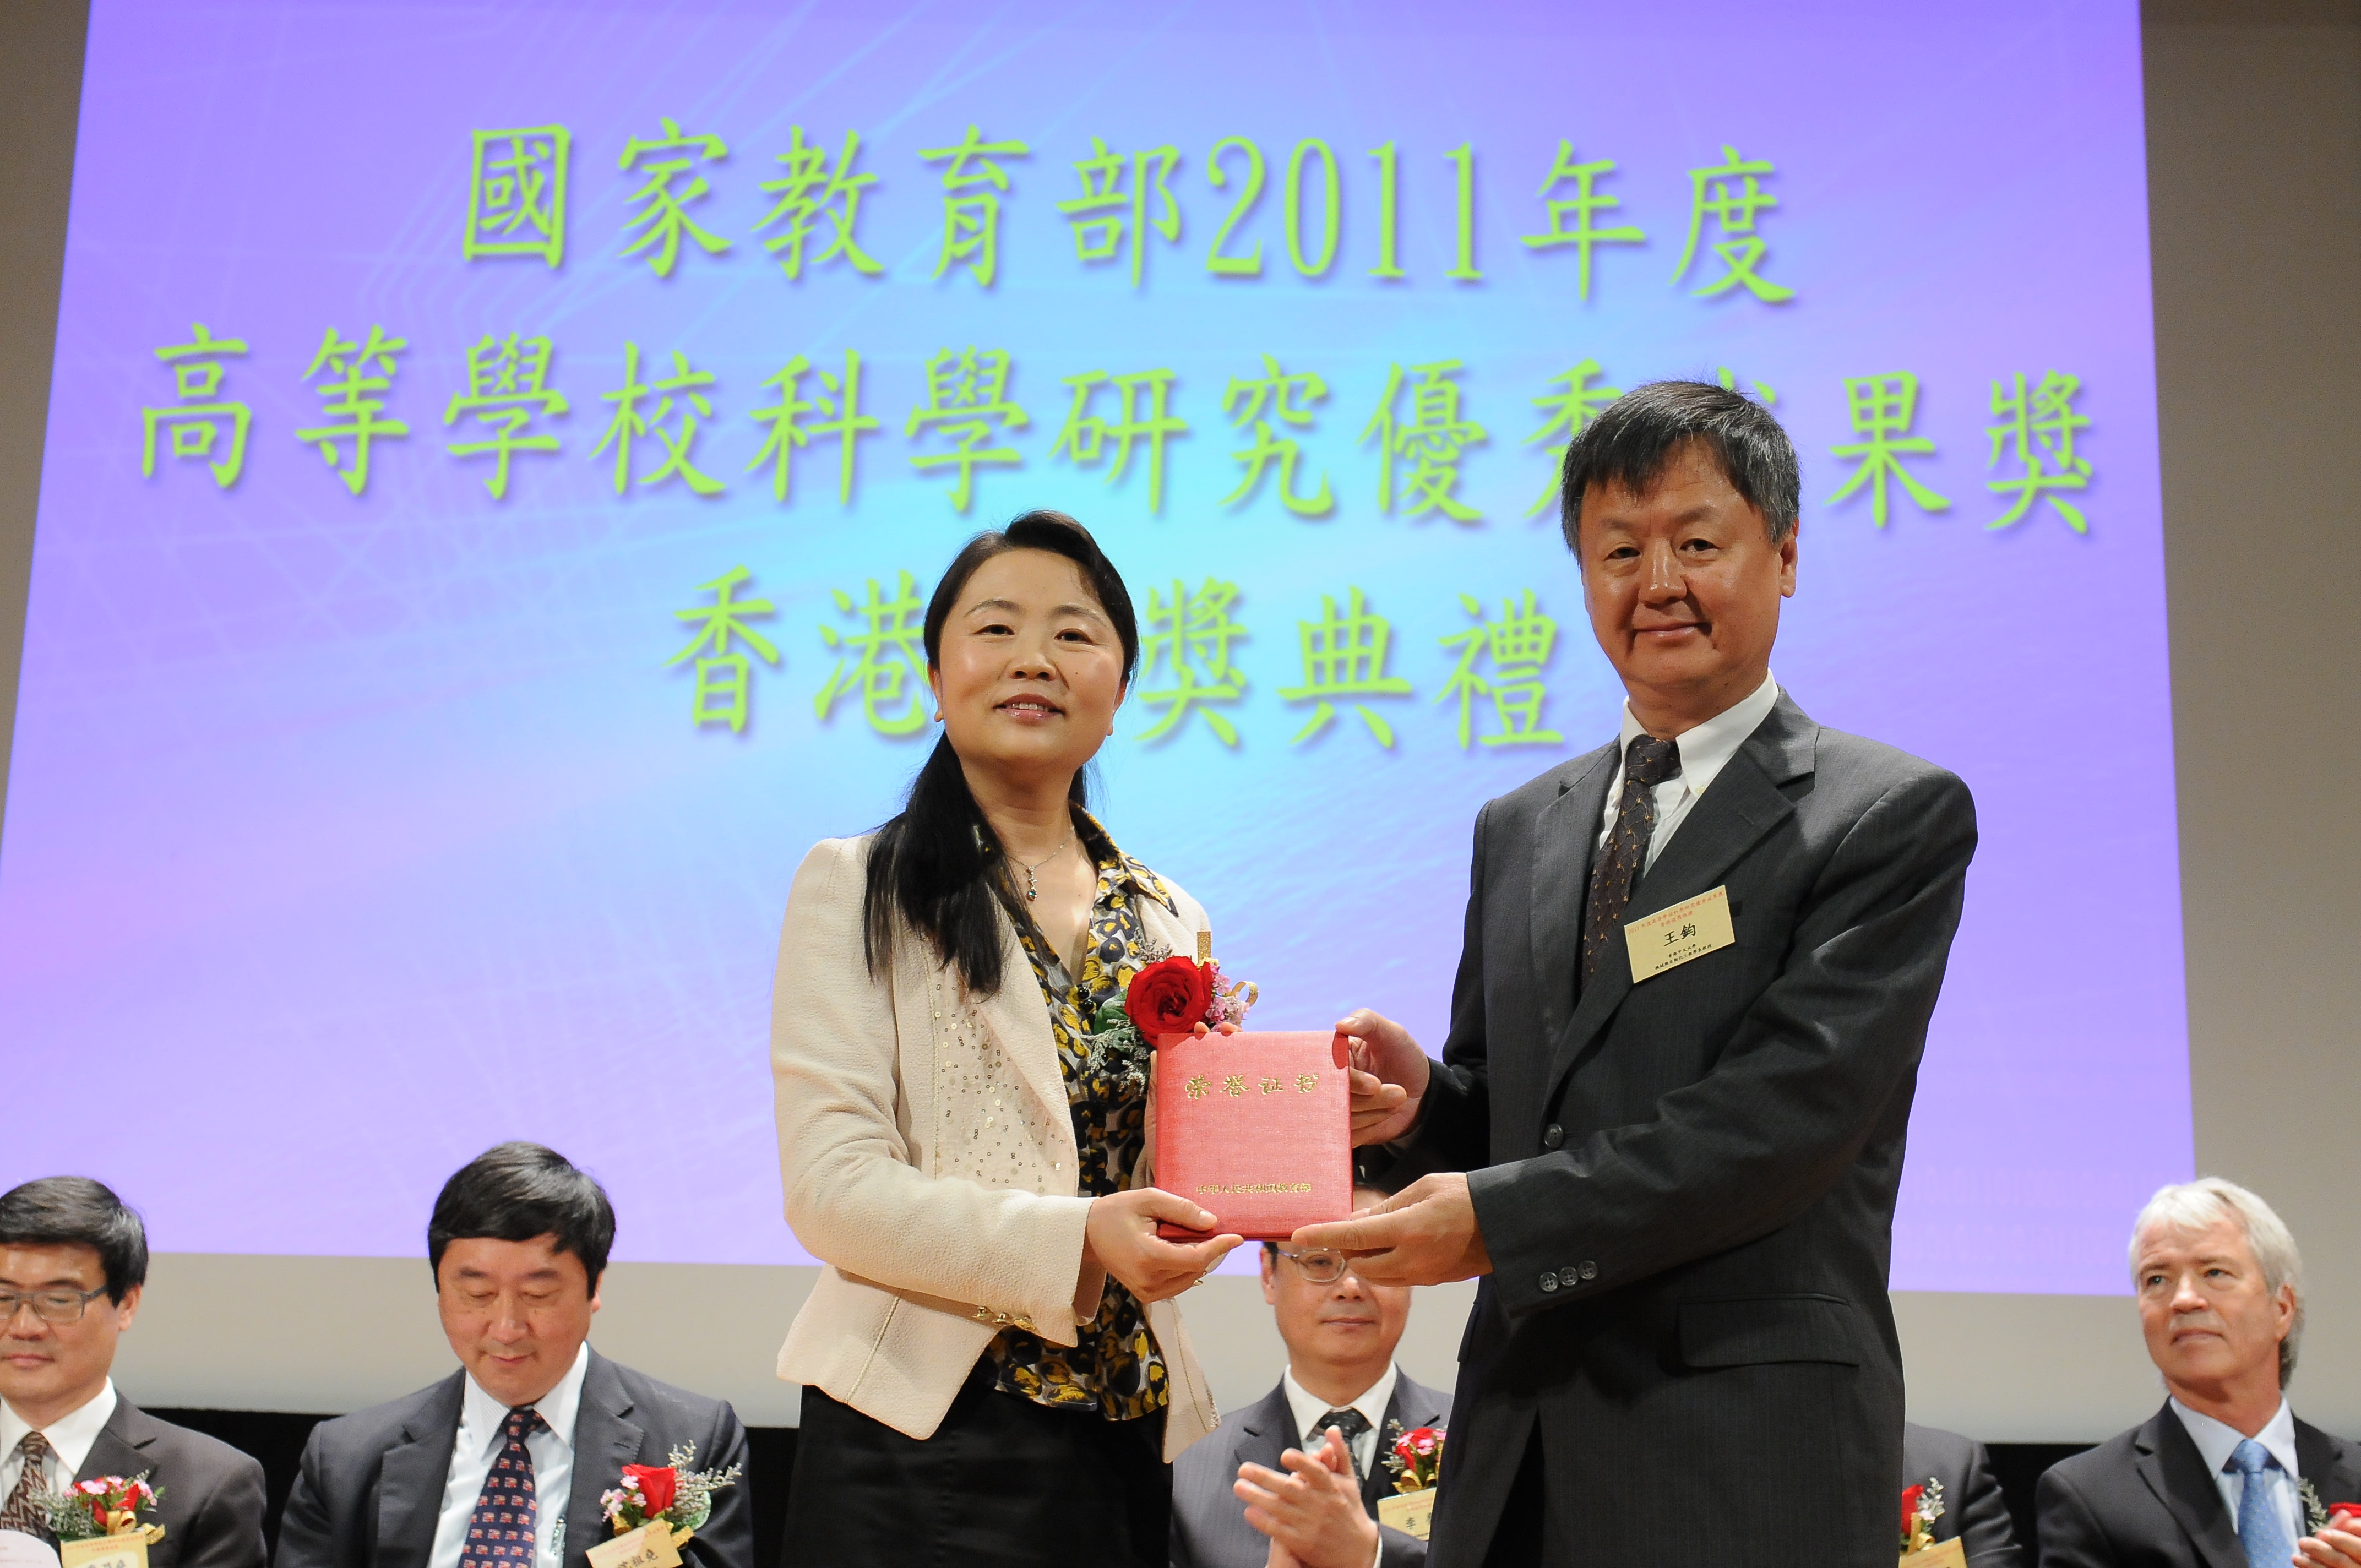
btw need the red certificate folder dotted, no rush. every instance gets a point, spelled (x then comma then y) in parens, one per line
(1257, 1128)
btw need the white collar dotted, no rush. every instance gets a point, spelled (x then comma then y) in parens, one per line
(481, 1416)
(1707, 748)
(1307, 1407)
(72, 1434)
(2215, 1440)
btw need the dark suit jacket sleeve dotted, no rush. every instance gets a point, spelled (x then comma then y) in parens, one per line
(306, 1532)
(2068, 1531)
(1805, 1078)
(726, 1539)
(1396, 1550)
(227, 1530)
(1986, 1532)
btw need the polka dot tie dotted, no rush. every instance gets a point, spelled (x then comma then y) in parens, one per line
(2262, 1527)
(501, 1530)
(1352, 1424)
(1647, 763)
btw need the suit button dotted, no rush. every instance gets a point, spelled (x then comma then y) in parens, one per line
(1569, 1276)
(1589, 1270)
(1553, 1136)
(1549, 1282)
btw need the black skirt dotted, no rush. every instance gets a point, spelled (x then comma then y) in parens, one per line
(1004, 1482)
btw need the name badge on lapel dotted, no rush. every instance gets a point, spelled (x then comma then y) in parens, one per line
(1671, 938)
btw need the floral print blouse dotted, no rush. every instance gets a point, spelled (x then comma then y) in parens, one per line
(1113, 1368)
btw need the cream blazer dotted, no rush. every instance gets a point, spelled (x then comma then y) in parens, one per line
(928, 1155)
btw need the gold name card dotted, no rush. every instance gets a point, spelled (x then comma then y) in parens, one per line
(127, 1550)
(1413, 1513)
(650, 1546)
(1671, 938)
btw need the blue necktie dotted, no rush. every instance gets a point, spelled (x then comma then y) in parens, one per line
(2262, 1523)
(501, 1530)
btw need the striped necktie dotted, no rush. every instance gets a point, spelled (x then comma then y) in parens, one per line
(20, 1514)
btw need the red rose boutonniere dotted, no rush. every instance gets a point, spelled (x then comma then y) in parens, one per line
(1417, 1457)
(656, 1509)
(1921, 1506)
(1170, 997)
(657, 1485)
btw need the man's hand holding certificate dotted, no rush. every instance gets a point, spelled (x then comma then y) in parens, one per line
(1426, 1234)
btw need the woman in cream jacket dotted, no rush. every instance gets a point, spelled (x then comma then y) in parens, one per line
(995, 1370)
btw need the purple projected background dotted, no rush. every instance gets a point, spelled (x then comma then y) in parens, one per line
(348, 834)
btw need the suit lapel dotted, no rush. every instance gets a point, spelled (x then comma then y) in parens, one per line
(2319, 1461)
(411, 1476)
(1562, 837)
(604, 1442)
(1018, 1018)
(1742, 805)
(2168, 1462)
(121, 1446)
(1267, 1431)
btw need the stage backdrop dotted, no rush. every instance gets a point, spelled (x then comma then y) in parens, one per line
(499, 455)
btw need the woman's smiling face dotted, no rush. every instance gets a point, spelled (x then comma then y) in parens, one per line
(1030, 671)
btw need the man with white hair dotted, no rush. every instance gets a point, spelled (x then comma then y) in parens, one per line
(2223, 1475)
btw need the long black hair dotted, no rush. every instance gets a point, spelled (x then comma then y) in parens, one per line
(939, 865)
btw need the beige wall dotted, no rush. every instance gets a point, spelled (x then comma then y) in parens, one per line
(2254, 139)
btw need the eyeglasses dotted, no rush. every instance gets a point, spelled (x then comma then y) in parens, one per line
(1321, 1268)
(53, 1306)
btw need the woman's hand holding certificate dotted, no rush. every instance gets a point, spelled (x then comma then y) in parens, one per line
(1120, 1237)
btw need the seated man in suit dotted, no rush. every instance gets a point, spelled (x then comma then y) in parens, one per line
(2223, 1475)
(1340, 1334)
(516, 1446)
(73, 1261)
(1974, 1513)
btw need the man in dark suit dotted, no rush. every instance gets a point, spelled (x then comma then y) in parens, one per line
(1671, 1146)
(1259, 1476)
(73, 1265)
(501, 1464)
(1974, 1514)
(2223, 1477)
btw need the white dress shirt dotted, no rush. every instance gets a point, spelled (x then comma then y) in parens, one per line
(2215, 1440)
(1308, 1408)
(480, 1441)
(70, 1437)
(1705, 751)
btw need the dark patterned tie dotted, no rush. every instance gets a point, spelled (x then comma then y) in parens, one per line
(1352, 1425)
(19, 1515)
(499, 1532)
(1647, 763)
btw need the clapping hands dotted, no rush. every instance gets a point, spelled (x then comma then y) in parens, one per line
(1313, 1515)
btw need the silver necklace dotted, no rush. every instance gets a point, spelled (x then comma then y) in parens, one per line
(1031, 888)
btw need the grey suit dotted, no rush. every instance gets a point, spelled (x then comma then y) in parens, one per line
(1975, 1514)
(2144, 1498)
(1209, 1523)
(1685, 1348)
(371, 1482)
(211, 1496)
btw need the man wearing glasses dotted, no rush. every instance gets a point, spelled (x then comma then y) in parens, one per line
(1262, 1476)
(73, 1261)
